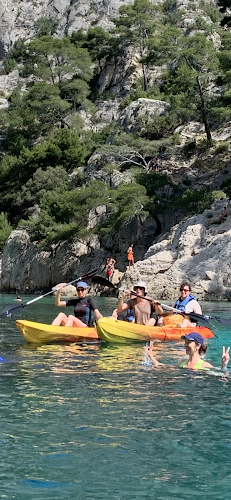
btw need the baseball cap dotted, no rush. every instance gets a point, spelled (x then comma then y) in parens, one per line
(195, 337)
(81, 284)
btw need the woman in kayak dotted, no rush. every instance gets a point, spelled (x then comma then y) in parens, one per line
(195, 349)
(83, 308)
(186, 304)
(143, 309)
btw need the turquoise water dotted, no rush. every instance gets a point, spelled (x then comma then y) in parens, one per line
(91, 421)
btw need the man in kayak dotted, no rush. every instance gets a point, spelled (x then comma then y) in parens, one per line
(83, 308)
(143, 309)
(186, 303)
(195, 349)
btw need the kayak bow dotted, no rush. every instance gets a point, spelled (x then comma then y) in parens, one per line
(43, 333)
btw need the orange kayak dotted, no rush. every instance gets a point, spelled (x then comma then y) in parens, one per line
(113, 330)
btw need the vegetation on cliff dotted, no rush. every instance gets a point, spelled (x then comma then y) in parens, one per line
(44, 140)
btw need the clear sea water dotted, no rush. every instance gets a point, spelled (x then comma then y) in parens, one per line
(93, 421)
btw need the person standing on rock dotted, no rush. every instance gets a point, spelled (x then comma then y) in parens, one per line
(130, 256)
(187, 304)
(83, 308)
(110, 267)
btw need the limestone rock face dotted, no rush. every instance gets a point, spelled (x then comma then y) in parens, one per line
(197, 250)
(28, 267)
(17, 17)
(142, 110)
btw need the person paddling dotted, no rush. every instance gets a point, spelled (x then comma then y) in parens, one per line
(83, 308)
(142, 309)
(195, 349)
(187, 304)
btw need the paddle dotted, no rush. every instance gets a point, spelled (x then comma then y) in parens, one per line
(201, 317)
(7, 311)
(193, 316)
(103, 281)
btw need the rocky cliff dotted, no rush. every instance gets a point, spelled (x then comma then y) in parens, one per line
(17, 17)
(197, 250)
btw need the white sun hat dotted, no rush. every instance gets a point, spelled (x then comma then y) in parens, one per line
(141, 284)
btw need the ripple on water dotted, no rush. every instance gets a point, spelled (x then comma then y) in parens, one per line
(92, 421)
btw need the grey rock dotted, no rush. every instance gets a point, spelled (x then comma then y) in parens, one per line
(141, 112)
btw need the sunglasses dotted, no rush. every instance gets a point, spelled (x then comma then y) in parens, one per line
(80, 289)
(184, 290)
(139, 288)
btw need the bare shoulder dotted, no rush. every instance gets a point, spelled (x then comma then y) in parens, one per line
(207, 364)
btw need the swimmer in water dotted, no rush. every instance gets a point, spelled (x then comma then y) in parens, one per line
(195, 349)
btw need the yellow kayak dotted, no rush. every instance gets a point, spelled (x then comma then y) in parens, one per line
(113, 330)
(42, 333)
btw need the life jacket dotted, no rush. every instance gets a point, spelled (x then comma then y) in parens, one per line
(181, 304)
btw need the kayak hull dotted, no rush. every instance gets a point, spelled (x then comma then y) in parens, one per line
(43, 333)
(118, 331)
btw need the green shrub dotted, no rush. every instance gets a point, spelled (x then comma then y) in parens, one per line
(222, 147)
(5, 230)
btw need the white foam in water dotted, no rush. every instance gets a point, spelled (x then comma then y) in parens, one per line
(147, 361)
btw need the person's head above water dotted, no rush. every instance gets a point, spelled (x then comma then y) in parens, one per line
(194, 342)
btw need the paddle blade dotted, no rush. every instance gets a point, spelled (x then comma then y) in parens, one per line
(88, 275)
(102, 281)
(9, 310)
(198, 317)
(223, 321)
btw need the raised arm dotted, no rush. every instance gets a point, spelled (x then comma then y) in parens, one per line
(150, 355)
(121, 306)
(58, 302)
(225, 357)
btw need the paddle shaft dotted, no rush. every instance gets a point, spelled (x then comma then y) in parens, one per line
(52, 291)
(12, 308)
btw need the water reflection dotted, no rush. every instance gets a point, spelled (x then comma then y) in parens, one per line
(93, 421)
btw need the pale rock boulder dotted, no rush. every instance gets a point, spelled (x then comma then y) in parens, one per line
(193, 251)
(141, 112)
(96, 215)
(121, 74)
(67, 292)
(28, 267)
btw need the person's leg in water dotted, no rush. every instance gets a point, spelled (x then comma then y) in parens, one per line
(61, 319)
